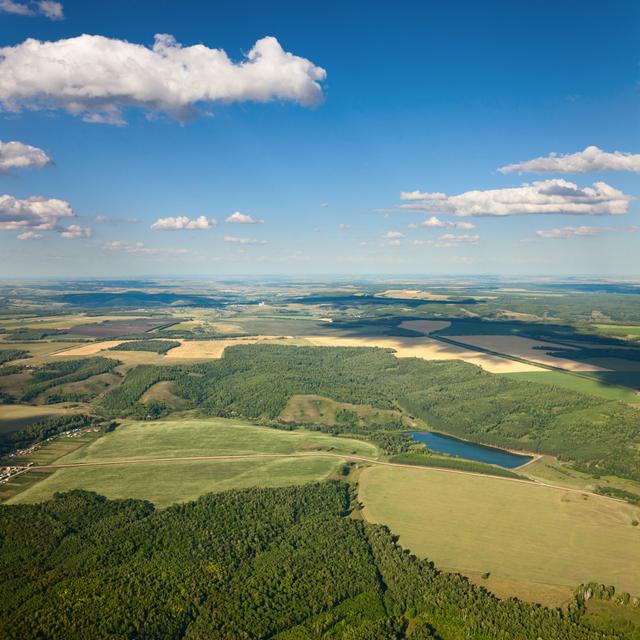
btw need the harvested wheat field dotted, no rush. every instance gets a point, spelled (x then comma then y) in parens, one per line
(427, 349)
(88, 349)
(526, 348)
(210, 349)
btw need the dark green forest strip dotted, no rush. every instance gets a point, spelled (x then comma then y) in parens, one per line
(54, 374)
(6, 355)
(158, 346)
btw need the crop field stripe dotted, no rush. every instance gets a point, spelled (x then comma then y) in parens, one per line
(341, 456)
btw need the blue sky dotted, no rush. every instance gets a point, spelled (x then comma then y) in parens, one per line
(431, 97)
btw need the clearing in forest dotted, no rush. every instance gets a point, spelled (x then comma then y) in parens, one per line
(165, 482)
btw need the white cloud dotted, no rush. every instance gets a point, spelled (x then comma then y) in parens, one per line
(112, 220)
(47, 8)
(141, 248)
(97, 77)
(236, 240)
(420, 195)
(181, 223)
(555, 196)
(29, 235)
(343, 226)
(393, 235)
(17, 155)
(50, 9)
(567, 232)
(449, 240)
(435, 223)
(242, 218)
(33, 213)
(76, 231)
(591, 159)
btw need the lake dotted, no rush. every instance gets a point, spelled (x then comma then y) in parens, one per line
(440, 443)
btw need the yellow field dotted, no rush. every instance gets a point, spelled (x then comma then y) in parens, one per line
(14, 416)
(524, 348)
(427, 349)
(89, 349)
(209, 349)
(41, 349)
(519, 532)
(425, 326)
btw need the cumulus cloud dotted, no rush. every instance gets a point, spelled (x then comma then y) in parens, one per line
(76, 231)
(242, 218)
(30, 235)
(421, 195)
(344, 227)
(236, 240)
(33, 213)
(141, 248)
(181, 223)
(591, 159)
(17, 155)
(39, 214)
(568, 232)
(393, 235)
(47, 8)
(97, 77)
(555, 196)
(435, 223)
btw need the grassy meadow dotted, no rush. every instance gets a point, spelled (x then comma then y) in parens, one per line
(166, 482)
(525, 535)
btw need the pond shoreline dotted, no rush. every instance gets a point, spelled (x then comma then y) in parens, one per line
(498, 456)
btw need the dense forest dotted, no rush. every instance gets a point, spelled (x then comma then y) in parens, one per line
(158, 346)
(256, 381)
(259, 563)
(53, 374)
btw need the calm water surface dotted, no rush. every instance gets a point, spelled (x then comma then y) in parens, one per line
(440, 443)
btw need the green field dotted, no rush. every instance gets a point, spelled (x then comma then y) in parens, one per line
(619, 330)
(172, 482)
(168, 482)
(577, 383)
(516, 531)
